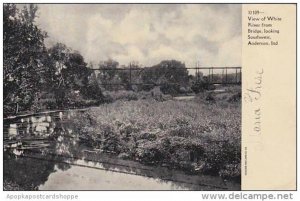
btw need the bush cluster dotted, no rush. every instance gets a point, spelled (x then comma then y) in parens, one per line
(183, 135)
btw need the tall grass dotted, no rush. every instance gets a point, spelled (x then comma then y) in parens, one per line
(196, 136)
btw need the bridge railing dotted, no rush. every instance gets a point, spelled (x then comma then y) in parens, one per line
(136, 76)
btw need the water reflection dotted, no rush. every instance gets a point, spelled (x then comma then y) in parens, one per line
(44, 152)
(45, 136)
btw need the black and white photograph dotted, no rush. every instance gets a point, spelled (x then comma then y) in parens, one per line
(122, 97)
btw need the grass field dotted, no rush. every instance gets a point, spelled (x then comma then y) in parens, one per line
(199, 136)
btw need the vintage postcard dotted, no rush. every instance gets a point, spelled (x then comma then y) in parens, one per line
(193, 97)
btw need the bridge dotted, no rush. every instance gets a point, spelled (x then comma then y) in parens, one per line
(212, 75)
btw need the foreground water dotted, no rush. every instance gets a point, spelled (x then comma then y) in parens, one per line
(43, 152)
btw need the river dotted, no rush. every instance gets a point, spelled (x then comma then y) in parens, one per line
(43, 152)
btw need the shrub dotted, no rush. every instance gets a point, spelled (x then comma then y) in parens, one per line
(192, 135)
(43, 101)
(219, 154)
(210, 98)
(231, 171)
(155, 93)
(147, 135)
(185, 90)
(120, 95)
(149, 152)
(170, 88)
(235, 97)
(201, 86)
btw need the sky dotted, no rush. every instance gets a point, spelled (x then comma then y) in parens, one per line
(147, 33)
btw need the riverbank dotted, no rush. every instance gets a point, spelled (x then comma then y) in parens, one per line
(77, 172)
(199, 136)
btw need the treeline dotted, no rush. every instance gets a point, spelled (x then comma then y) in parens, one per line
(170, 75)
(33, 73)
(36, 77)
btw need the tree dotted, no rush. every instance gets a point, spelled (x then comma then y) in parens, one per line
(93, 90)
(170, 74)
(76, 72)
(108, 73)
(68, 73)
(59, 55)
(23, 53)
(130, 75)
(108, 69)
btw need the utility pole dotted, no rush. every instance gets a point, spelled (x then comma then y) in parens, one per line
(130, 75)
(226, 75)
(212, 74)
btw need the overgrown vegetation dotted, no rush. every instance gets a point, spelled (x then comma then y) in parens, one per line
(198, 136)
(155, 94)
